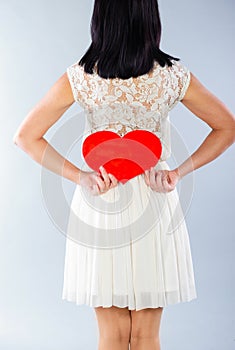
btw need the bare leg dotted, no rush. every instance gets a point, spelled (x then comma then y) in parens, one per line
(145, 329)
(114, 325)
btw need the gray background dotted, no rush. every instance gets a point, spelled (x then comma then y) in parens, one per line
(39, 39)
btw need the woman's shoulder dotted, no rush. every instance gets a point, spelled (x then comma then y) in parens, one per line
(178, 73)
(179, 66)
(74, 67)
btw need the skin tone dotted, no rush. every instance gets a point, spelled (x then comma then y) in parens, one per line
(120, 326)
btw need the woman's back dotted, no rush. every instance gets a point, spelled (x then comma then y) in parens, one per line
(122, 105)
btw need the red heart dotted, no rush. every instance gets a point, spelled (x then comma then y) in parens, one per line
(124, 157)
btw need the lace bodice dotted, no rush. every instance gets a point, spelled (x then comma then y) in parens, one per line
(122, 105)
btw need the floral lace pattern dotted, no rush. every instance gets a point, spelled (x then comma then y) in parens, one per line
(122, 105)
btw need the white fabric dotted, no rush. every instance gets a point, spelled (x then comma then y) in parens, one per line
(154, 269)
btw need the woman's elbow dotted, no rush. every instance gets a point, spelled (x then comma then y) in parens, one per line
(232, 130)
(229, 133)
(22, 140)
(19, 138)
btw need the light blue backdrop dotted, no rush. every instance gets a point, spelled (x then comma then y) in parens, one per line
(38, 40)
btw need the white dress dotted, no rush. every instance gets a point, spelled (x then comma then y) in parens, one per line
(128, 247)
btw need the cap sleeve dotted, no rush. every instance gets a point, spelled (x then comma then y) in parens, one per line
(75, 79)
(181, 77)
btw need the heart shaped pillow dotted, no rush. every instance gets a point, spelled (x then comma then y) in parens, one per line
(125, 157)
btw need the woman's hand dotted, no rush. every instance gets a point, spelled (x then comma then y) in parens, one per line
(97, 183)
(161, 180)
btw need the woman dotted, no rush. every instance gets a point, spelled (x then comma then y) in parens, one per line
(125, 73)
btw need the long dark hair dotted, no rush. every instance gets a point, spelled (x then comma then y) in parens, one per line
(126, 36)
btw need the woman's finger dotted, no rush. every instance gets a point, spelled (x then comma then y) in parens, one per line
(105, 176)
(152, 181)
(146, 177)
(165, 183)
(113, 180)
(158, 181)
(100, 183)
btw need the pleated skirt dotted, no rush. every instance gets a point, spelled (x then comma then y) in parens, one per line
(128, 247)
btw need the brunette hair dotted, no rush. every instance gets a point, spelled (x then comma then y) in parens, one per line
(126, 38)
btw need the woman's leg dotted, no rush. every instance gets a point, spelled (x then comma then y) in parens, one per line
(114, 325)
(145, 329)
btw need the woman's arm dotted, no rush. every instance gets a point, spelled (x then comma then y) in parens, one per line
(211, 110)
(29, 135)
